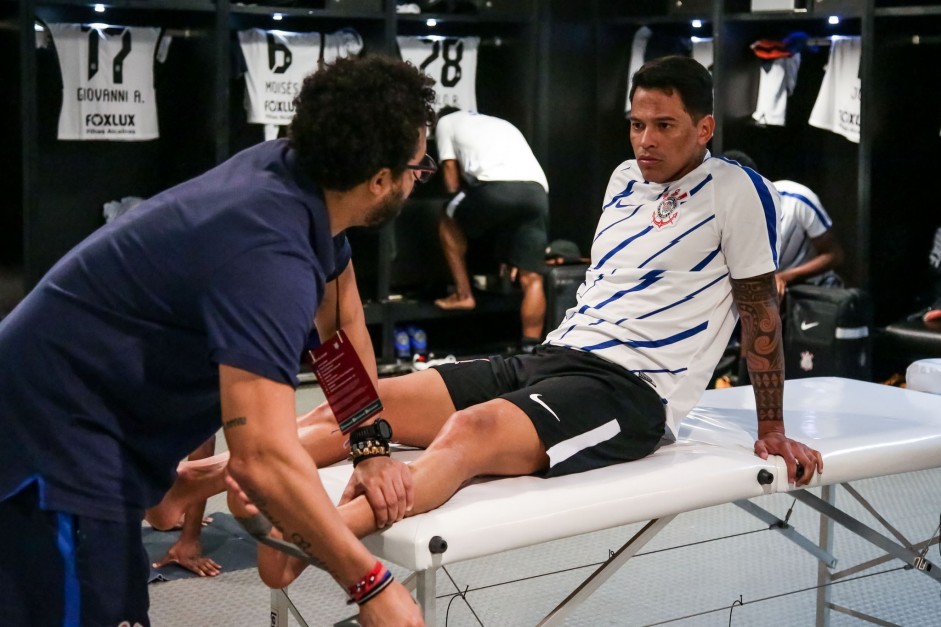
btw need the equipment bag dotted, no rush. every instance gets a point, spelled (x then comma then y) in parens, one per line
(827, 332)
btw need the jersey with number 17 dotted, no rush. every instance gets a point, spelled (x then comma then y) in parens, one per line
(107, 82)
(451, 61)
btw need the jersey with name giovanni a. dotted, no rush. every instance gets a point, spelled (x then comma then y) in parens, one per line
(657, 297)
(111, 364)
(107, 82)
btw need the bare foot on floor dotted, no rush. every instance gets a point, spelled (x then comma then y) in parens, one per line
(456, 302)
(189, 555)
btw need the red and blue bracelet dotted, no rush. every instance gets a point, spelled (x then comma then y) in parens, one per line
(369, 586)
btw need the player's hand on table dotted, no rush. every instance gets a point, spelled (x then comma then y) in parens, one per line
(393, 607)
(387, 485)
(794, 453)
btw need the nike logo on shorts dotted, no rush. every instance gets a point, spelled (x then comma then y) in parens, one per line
(535, 398)
(808, 325)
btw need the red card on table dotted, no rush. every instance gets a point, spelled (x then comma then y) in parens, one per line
(344, 381)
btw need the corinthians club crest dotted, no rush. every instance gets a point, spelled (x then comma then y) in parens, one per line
(667, 211)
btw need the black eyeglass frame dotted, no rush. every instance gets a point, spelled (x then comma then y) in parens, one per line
(426, 168)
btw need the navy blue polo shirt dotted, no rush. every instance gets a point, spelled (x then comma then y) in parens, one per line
(109, 367)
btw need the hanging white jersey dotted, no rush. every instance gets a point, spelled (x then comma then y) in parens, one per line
(837, 106)
(638, 53)
(802, 219)
(776, 81)
(657, 297)
(451, 61)
(342, 44)
(107, 82)
(277, 63)
(703, 51)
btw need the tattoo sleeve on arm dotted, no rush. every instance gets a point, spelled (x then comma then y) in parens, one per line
(757, 302)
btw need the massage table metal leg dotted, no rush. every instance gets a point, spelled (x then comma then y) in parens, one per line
(282, 607)
(426, 592)
(788, 532)
(903, 553)
(829, 513)
(423, 584)
(604, 572)
(824, 578)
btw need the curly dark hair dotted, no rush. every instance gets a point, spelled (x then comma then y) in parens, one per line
(688, 77)
(357, 116)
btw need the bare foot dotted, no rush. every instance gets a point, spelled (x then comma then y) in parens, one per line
(196, 481)
(456, 302)
(189, 555)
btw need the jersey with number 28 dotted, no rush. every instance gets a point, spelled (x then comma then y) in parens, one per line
(451, 61)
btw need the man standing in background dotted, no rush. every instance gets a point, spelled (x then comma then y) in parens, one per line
(504, 200)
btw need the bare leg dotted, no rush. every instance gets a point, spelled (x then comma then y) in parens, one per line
(416, 405)
(533, 309)
(196, 481)
(493, 438)
(454, 246)
(200, 479)
(188, 550)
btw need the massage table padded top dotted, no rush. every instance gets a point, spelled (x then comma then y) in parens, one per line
(862, 429)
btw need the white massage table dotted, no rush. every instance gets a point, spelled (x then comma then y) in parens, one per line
(863, 430)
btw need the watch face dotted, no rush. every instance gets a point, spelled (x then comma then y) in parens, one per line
(384, 429)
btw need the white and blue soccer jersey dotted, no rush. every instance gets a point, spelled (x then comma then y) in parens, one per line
(657, 297)
(802, 219)
(107, 82)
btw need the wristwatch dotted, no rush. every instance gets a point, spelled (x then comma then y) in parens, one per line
(380, 430)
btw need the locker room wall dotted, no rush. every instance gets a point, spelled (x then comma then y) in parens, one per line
(906, 121)
(570, 162)
(11, 162)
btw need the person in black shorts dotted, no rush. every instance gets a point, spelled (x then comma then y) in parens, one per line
(501, 198)
(632, 358)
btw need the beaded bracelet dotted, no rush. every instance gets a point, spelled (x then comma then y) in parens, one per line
(361, 451)
(369, 586)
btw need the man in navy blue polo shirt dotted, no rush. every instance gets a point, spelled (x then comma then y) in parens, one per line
(198, 304)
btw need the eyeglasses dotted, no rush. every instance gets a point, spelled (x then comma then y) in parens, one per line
(424, 169)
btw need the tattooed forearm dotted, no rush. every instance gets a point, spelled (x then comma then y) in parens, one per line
(233, 422)
(762, 348)
(295, 538)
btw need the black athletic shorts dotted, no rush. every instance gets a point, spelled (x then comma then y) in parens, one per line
(514, 215)
(588, 412)
(69, 571)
